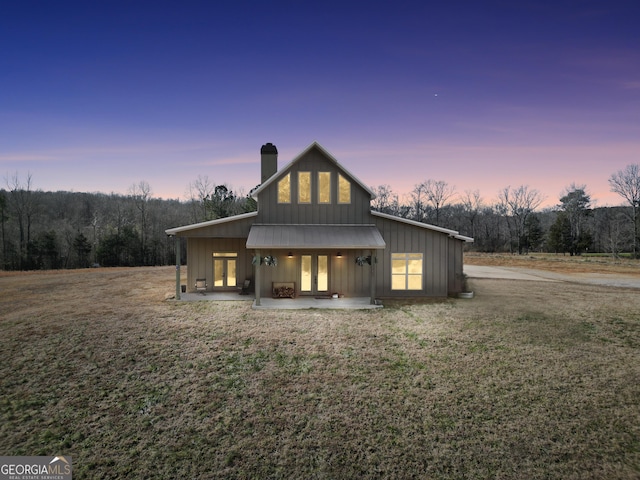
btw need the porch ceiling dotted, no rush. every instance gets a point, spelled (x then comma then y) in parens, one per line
(315, 236)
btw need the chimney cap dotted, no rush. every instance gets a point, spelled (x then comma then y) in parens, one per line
(268, 148)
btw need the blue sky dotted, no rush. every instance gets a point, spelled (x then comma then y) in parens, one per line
(97, 96)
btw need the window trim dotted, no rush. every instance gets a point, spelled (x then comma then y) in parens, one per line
(348, 184)
(320, 174)
(287, 177)
(309, 193)
(407, 275)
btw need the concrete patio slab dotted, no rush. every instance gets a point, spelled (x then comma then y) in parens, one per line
(283, 303)
(355, 303)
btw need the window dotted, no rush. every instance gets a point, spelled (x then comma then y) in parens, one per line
(406, 271)
(344, 190)
(304, 187)
(324, 187)
(284, 189)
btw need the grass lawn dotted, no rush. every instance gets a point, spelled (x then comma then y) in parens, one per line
(530, 380)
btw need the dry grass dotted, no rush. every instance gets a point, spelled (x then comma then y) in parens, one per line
(558, 263)
(527, 380)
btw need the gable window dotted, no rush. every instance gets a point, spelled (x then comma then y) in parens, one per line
(406, 271)
(324, 187)
(304, 187)
(344, 190)
(284, 189)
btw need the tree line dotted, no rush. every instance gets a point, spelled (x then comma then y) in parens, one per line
(50, 230)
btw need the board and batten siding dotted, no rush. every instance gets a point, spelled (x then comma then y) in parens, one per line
(345, 277)
(456, 279)
(200, 259)
(314, 161)
(405, 238)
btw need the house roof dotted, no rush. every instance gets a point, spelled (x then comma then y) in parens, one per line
(316, 145)
(218, 221)
(315, 236)
(451, 233)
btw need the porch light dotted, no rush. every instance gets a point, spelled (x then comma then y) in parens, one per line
(290, 255)
(339, 255)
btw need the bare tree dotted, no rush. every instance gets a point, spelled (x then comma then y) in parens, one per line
(199, 192)
(24, 206)
(611, 224)
(386, 201)
(472, 205)
(141, 195)
(626, 183)
(417, 203)
(518, 205)
(438, 193)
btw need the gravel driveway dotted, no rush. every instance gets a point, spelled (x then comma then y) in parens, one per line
(518, 273)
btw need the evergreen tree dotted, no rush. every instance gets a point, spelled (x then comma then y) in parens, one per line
(82, 248)
(576, 206)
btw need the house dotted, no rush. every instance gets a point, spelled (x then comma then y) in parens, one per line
(314, 234)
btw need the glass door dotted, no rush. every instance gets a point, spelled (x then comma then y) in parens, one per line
(224, 269)
(314, 274)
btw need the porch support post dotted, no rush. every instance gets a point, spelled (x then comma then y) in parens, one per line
(372, 278)
(257, 277)
(177, 267)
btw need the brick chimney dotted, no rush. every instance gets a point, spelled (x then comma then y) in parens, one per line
(269, 161)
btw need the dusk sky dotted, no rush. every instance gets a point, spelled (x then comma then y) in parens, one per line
(99, 95)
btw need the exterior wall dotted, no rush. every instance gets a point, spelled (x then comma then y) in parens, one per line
(270, 211)
(442, 254)
(345, 277)
(455, 265)
(228, 236)
(404, 238)
(200, 260)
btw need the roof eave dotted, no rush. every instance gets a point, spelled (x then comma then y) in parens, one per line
(428, 226)
(209, 223)
(464, 238)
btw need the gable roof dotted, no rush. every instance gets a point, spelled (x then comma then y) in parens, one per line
(322, 150)
(451, 233)
(217, 221)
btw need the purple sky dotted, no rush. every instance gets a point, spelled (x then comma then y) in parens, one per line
(97, 96)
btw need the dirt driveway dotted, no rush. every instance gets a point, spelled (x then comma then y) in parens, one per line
(520, 273)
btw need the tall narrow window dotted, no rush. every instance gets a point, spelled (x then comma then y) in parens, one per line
(284, 189)
(306, 273)
(406, 271)
(324, 187)
(344, 190)
(304, 187)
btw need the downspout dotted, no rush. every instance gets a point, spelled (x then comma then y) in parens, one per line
(177, 268)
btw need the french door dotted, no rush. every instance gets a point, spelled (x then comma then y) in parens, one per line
(224, 270)
(314, 274)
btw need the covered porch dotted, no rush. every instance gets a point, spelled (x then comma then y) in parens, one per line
(315, 263)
